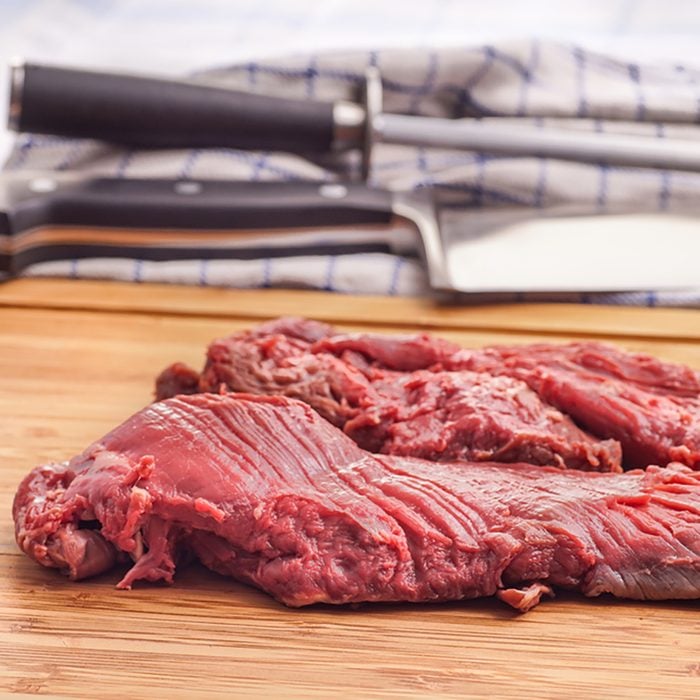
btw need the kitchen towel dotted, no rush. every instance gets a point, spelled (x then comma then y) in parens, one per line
(545, 84)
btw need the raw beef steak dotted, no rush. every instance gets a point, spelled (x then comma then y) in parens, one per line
(650, 407)
(265, 490)
(442, 416)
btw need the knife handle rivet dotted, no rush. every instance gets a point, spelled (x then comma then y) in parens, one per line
(188, 187)
(43, 184)
(333, 191)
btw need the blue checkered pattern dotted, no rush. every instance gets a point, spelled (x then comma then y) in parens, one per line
(540, 82)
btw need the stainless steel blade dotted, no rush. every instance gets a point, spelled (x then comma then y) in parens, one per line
(506, 139)
(511, 251)
(521, 140)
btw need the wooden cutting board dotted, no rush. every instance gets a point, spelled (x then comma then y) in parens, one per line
(79, 357)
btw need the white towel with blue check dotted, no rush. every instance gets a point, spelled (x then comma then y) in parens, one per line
(541, 83)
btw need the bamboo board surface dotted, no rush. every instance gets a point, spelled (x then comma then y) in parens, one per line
(79, 357)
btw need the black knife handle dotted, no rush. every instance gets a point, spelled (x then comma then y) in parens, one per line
(154, 113)
(182, 207)
(202, 204)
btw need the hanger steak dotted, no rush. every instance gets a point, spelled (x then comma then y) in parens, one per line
(584, 405)
(267, 491)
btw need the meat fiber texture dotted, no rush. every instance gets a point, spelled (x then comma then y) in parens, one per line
(651, 407)
(266, 491)
(585, 405)
(427, 413)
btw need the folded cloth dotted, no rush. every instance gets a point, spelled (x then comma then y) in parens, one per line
(546, 84)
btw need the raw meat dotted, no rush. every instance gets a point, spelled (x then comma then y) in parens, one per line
(651, 407)
(265, 490)
(441, 416)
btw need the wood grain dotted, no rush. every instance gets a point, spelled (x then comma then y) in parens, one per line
(403, 313)
(72, 373)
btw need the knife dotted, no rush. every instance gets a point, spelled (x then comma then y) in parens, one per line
(66, 216)
(60, 216)
(156, 113)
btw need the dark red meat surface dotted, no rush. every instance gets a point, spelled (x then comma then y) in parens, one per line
(652, 408)
(589, 403)
(265, 490)
(436, 415)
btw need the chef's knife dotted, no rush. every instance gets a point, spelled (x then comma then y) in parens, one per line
(64, 216)
(156, 113)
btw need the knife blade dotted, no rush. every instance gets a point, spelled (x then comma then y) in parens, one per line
(60, 216)
(149, 112)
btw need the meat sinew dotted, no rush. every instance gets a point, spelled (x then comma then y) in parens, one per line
(265, 490)
(650, 407)
(434, 415)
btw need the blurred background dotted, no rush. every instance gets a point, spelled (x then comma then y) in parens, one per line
(614, 67)
(177, 36)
